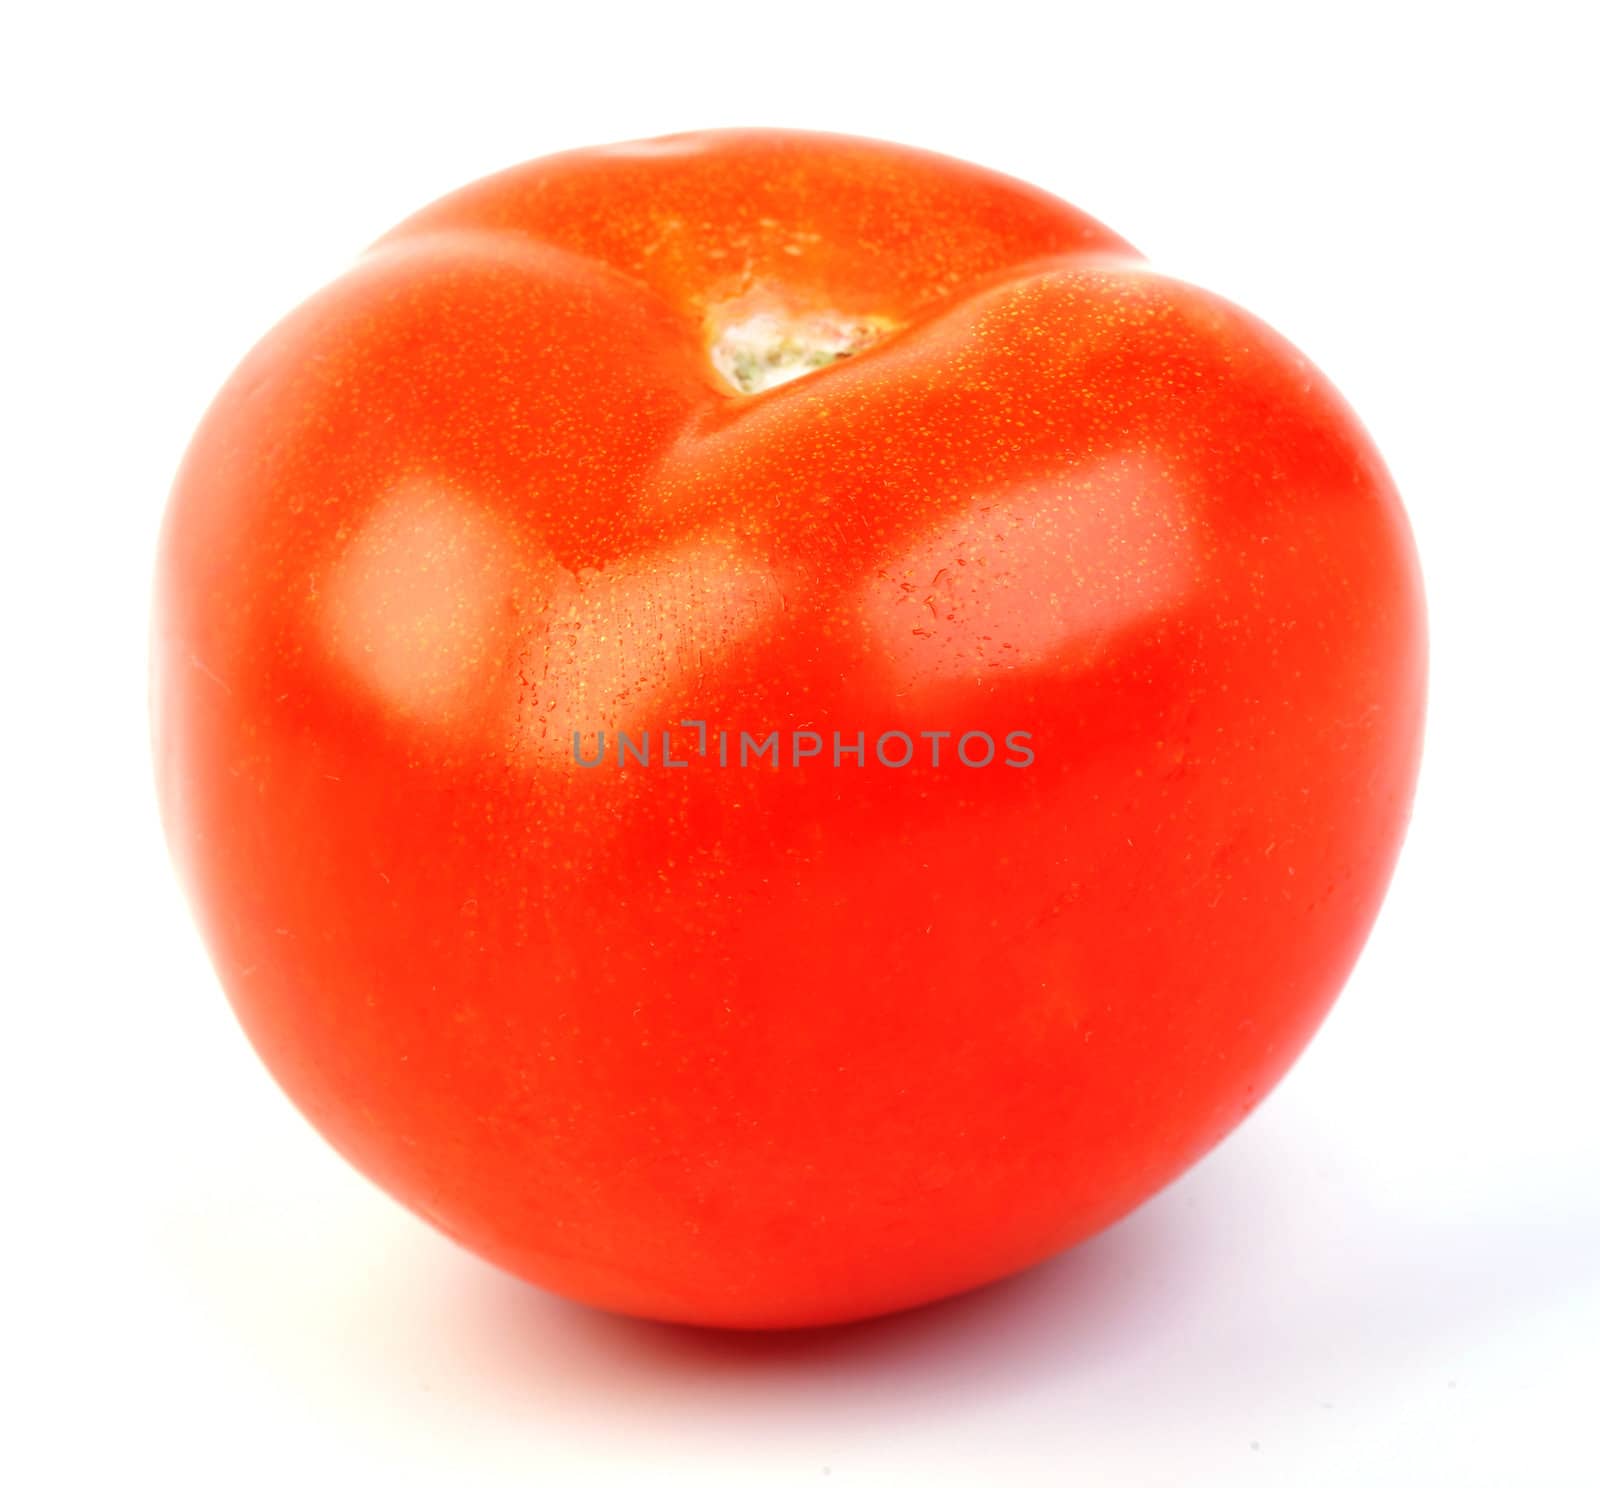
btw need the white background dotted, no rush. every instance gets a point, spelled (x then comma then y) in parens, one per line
(1389, 1276)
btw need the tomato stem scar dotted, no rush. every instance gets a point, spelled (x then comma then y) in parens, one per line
(756, 346)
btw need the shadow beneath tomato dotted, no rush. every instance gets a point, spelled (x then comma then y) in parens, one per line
(1272, 1284)
(1235, 1288)
(1090, 1313)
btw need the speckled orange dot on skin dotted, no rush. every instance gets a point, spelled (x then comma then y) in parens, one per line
(800, 435)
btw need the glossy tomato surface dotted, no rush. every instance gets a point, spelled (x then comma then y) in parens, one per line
(806, 1036)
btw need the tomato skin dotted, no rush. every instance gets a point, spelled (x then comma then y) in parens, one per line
(754, 1047)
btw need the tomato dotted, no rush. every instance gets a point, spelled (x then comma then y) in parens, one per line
(767, 727)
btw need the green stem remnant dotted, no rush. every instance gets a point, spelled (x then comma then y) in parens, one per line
(769, 347)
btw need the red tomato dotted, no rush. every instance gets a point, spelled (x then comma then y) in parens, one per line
(814, 1033)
